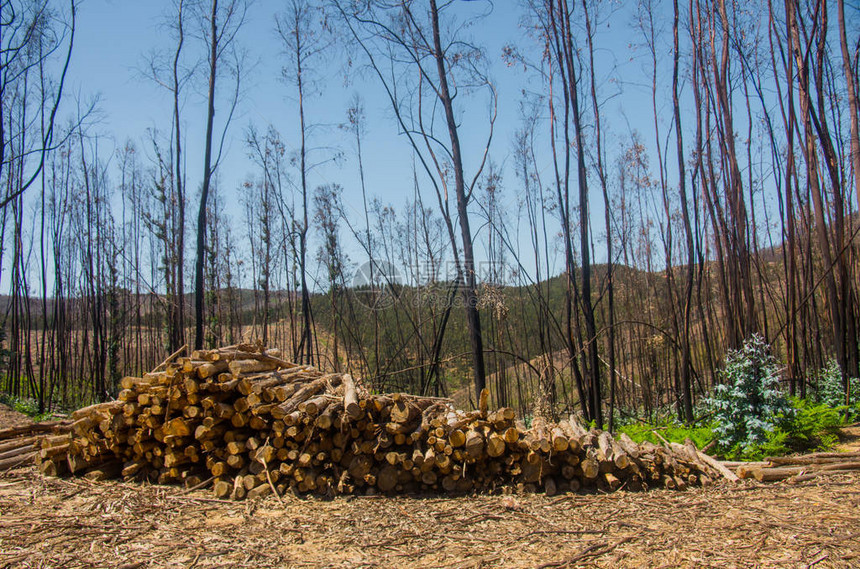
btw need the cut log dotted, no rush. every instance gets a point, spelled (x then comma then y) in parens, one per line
(18, 443)
(33, 429)
(629, 446)
(805, 477)
(779, 473)
(303, 394)
(210, 369)
(19, 460)
(495, 445)
(25, 449)
(560, 442)
(241, 367)
(814, 458)
(727, 474)
(111, 407)
(474, 444)
(483, 401)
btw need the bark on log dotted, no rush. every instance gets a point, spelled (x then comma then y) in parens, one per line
(715, 464)
(16, 461)
(32, 429)
(774, 474)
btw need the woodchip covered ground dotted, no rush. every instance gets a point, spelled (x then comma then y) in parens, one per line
(49, 522)
(74, 523)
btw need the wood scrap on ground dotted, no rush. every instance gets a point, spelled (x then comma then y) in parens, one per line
(800, 468)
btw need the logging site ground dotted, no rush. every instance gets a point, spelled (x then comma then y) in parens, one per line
(52, 522)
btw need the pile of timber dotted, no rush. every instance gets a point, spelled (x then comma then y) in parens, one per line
(247, 423)
(800, 468)
(21, 445)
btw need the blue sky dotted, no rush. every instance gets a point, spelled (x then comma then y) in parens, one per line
(115, 36)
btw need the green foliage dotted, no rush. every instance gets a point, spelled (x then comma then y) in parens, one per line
(812, 427)
(815, 426)
(827, 387)
(29, 407)
(748, 406)
(808, 426)
(670, 430)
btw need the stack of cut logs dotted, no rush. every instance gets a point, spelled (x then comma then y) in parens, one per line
(20, 445)
(247, 423)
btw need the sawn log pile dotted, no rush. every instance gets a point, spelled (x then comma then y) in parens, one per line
(247, 423)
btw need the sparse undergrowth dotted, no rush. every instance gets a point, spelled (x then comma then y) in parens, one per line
(811, 427)
(28, 407)
(751, 418)
(669, 429)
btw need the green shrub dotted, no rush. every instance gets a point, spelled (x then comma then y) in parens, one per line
(22, 405)
(25, 406)
(809, 426)
(749, 406)
(813, 427)
(753, 419)
(826, 386)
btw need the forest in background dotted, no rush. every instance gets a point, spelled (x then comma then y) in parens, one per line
(733, 216)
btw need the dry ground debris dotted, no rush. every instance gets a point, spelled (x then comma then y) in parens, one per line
(849, 439)
(10, 418)
(69, 523)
